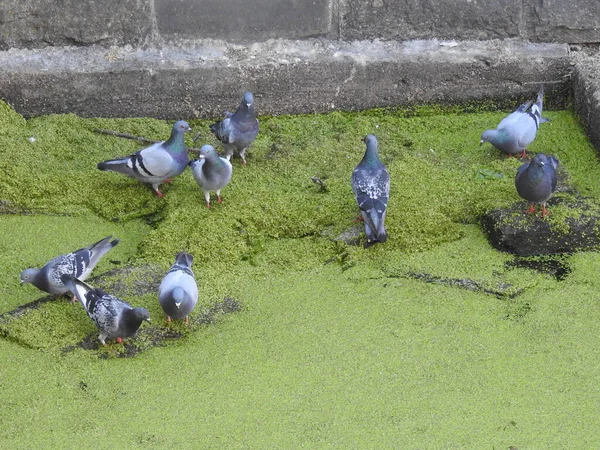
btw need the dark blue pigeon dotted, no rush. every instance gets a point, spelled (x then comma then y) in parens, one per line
(156, 164)
(371, 187)
(178, 291)
(237, 131)
(78, 264)
(536, 181)
(114, 318)
(516, 131)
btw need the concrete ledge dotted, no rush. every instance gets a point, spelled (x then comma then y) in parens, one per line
(201, 79)
(586, 88)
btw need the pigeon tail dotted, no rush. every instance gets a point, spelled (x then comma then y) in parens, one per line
(78, 288)
(184, 259)
(116, 165)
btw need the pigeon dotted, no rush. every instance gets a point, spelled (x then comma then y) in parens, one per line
(156, 164)
(114, 318)
(211, 172)
(178, 291)
(371, 186)
(78, 264)
(516, 131)
(536, 181)
(237, 131)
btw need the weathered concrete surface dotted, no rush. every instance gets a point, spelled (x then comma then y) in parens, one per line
(563, 21)
(203, 79)
(243, 20)
(586, 88)
(419, 19)
(512, 230)
(41, 23)
(534, 20)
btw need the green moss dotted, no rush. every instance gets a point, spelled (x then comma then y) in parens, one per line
(336, 345)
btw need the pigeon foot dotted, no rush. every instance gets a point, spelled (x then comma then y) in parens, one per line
(119, 340)
(545, 212)
(219, 199)
(159, 194)
(531, 209)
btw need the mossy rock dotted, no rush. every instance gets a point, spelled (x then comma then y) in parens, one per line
(570, 227)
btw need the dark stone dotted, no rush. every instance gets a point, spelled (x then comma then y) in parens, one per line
(563, 21)
(571, 227)
(427, 19)
(586, 87)
(243, 21)
(41, 23)
(290, 77)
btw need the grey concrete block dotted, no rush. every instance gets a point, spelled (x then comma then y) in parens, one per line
(41, 23)
(204, 79)
(243, 20)
(586, 88)
(563, 21)
(424, 19)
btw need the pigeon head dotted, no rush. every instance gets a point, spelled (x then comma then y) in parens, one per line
(140, 314)
(207, 151)
(181, 126)
(370, 139)
(488, 136)
(178, 296)
(497, 138)
(248, 99)
(540, 160)
(28, 275)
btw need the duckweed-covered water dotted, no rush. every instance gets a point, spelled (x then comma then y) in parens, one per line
(431, 340)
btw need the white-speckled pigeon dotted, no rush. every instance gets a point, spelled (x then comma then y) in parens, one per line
(516, 131)
(78, 264)
(237, 131)
(371, 186)
(178, 291)
(114, 318)
(211, 172)
(156, 164)
(536, 181)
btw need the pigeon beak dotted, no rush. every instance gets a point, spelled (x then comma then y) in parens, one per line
(178, 304)
(21, 282)
(248, 105)
(147, 320)
(364, 140)
(201, 156)
(481, 142)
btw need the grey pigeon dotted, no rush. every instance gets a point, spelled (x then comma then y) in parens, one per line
(536, 181)
(178, 291)
(211, 172)
(237, 131)
(114, 318)
(516, 131)
(371, 186)
(156, 164)
(78, 264)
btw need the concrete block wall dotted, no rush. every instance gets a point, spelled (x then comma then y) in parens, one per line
(42, 23)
